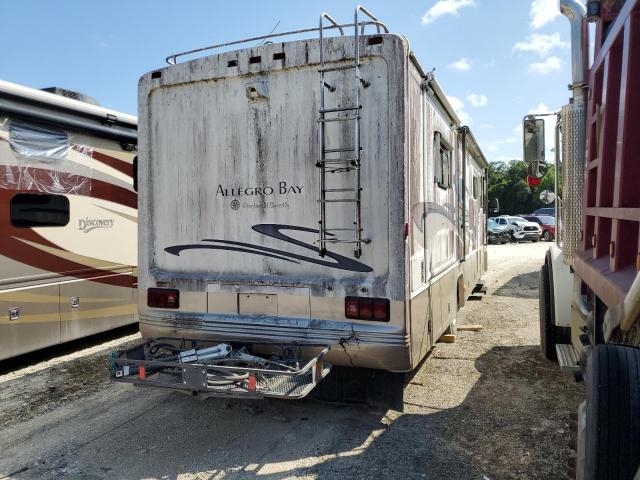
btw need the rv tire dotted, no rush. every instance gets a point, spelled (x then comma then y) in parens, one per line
(612, 440)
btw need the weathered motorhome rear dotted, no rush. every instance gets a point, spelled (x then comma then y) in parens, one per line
(232, 182)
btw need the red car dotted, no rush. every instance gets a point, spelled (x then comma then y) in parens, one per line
(547, 224)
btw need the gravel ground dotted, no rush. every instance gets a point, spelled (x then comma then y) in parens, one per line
(485, 407)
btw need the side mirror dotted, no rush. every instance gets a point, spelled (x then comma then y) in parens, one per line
(547, 197)
(533, 139)
(494, 205)
(537, 169)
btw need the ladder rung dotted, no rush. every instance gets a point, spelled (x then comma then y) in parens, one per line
(337, 68)
(338, 160)
(337, 240)
(339, 190)
(339, 229)
(340, 109)
(340, 200)
(338, 150)
(338, 119)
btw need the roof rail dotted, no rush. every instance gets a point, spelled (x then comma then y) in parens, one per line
(173, 58)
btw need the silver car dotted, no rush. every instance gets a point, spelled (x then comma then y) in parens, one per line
(519, 228)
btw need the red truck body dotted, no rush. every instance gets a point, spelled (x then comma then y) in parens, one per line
(609, 257)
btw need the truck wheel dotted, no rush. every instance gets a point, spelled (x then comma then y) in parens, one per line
(612, 448)
(547, 236)
(547, 327)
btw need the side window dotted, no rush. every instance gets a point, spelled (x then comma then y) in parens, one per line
(442, 162)
(38, 141)
(39, 210)
(475, 187)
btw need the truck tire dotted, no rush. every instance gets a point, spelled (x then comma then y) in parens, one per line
(612, 448)
(547, 327)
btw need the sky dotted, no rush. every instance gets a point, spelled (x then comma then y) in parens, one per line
(497, 60)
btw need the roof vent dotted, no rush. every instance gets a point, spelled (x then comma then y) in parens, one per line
(63, 92)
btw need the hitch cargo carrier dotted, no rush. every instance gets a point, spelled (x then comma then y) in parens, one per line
(222, 370)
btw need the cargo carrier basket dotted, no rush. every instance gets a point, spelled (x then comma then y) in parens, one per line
(221, 370)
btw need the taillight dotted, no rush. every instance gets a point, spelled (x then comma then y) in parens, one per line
(365, 308)
(351, 307)
(381, 310)
(163, 298)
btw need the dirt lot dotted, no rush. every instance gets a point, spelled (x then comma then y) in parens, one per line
(485, 407)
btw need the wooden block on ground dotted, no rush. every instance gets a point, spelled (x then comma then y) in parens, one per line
(447, 338)
(470, 328)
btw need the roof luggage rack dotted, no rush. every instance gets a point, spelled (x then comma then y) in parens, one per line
(173, 58)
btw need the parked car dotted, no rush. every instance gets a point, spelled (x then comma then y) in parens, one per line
(497, 233)
(547, 224)
(550, 211)
(520, 229)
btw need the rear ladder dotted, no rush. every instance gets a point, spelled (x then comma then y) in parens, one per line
(345, 159)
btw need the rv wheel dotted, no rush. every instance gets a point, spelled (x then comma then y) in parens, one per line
(612, 443)
(547, 327)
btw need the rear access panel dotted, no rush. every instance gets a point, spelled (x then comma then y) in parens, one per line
(275, 301)
(257, 304)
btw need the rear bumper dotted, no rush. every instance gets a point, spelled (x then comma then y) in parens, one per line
(382, 347)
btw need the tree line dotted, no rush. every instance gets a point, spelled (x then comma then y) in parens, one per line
(507, 183)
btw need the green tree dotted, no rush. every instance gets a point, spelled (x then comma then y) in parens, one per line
(508, 183)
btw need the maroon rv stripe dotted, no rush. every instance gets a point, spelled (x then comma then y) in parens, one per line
(116, 163)
(120, 165)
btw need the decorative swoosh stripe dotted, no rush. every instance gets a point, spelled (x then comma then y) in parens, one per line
(120, 214)
(275, 231)
(91, 262)
(115, 163)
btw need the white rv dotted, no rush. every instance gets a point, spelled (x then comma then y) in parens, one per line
(317, 192)
(68, 217)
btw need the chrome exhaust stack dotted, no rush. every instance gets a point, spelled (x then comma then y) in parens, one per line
(573, 120)
(575, 11)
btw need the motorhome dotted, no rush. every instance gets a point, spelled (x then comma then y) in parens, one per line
(318, 192)
(68, 216)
